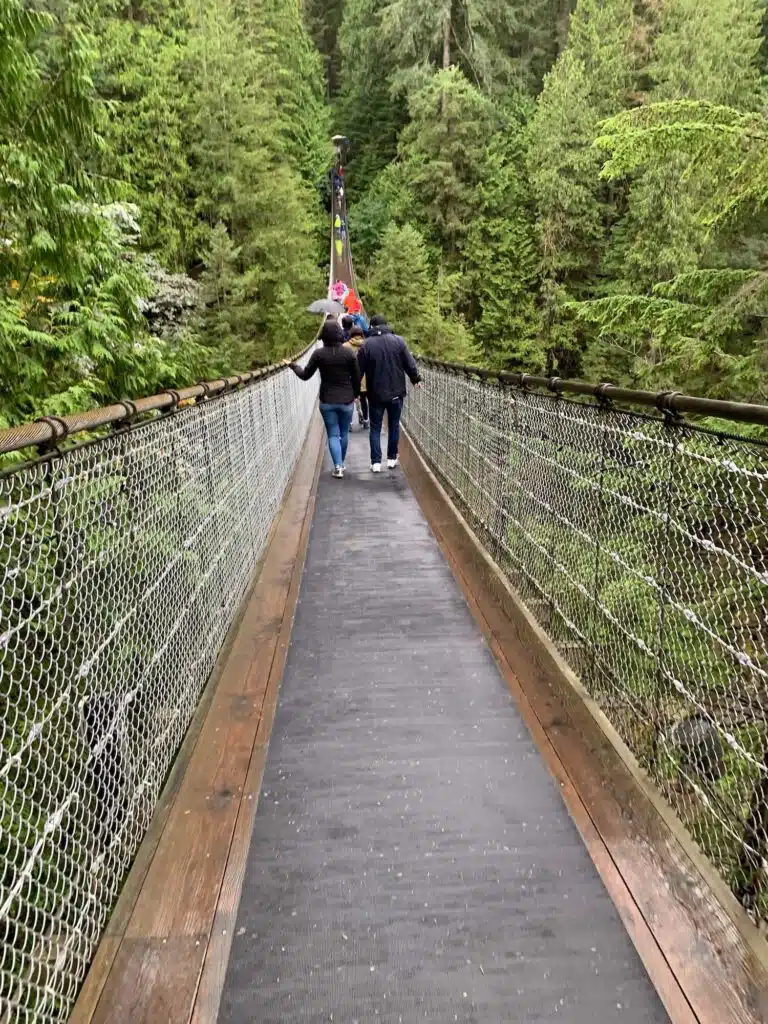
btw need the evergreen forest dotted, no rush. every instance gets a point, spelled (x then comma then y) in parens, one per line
(573, 187)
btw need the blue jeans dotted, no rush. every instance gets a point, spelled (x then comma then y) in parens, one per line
(393, 410)
(337, 419)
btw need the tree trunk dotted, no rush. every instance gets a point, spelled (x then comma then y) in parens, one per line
(446, 53)
(563, 17)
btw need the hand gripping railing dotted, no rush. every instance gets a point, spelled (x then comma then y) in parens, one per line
(123, 560)
(640, 543)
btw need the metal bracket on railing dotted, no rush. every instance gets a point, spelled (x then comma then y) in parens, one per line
(603, 400)
(672, 417)
(60, 433)
(553, 384)
(175, 398)
(524, 381)
(130, 412)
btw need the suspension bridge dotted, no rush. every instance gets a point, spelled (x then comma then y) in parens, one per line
(481, 739)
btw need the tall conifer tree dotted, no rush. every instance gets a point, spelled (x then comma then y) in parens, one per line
(648, 332)
(500, 258)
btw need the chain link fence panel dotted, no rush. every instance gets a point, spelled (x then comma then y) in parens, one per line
(640, 544)
(123, 563)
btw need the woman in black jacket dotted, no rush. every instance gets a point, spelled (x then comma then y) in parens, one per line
(339, 387)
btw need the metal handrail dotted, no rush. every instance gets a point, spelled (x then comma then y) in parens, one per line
(673, 402)
(51, 430)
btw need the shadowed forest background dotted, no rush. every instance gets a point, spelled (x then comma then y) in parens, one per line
(578, 189)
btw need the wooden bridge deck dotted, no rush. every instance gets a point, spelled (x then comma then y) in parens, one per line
(411, 857)
(425, 846)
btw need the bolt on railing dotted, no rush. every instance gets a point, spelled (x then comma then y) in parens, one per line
(123, 562)
(640, 543)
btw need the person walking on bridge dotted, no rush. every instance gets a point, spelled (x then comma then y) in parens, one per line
(385, 360)
(339, 387)
(354, 339)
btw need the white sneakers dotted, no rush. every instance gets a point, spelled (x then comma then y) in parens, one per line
(337, 472)
(392, 463)
(376, 467)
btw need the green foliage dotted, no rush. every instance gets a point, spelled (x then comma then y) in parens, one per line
(199, 115)
(400, 281)
(570, 204)
(542, 248)
(501, 262)
(495, 44)
(70, 320)
(49, 123)
(601, 36)
(731, 144)
(388, 200)
(441, 151)
(700, 324)
(250, 177)
(564, 174)
(662, 234)
(694, 328)
(416, 301)
(146, 157)
(709, 52)
(591, 78)
(366, 112)
(293, 78)
(575, 187)
(423, 99)
(323, 21)
(688, 281)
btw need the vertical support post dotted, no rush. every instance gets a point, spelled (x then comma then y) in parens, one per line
(552, 547)
(209, 474)
(505, 498)
(750, 870)
(592, 673)
(662, 577)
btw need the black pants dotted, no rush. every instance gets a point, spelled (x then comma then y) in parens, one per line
(363, 407)
(393, 410)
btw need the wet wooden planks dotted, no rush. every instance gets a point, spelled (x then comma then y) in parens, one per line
(411, 858)
(706, 959)
(165, 951)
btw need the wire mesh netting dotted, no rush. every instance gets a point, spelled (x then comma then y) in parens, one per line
(641, 545)
(123, 563)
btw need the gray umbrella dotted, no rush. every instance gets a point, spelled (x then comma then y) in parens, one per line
(325, 306)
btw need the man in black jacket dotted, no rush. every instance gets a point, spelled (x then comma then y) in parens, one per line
(385, 360)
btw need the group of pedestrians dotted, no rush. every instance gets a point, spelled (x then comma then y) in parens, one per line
(379, 359)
